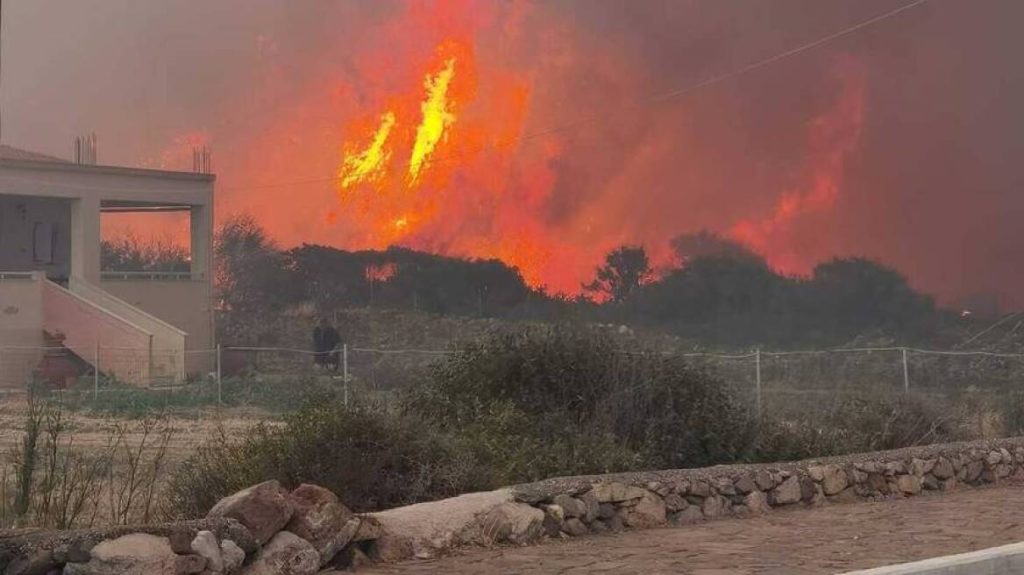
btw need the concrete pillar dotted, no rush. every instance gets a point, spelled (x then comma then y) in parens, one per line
(201, 251)
(85, 239)
(201, 220)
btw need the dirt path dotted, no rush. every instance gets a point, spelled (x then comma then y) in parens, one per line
(830, 539)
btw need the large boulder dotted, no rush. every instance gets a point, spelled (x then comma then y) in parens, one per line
(943, 469)
(909, 484)
(648, 512)
(834, 480)
(232, 555)
(589, 499)
(757, 503)
(320, 518)
(613, 492)
(285, 554)
(264, 509)
(571, 506)
(136, 554)
(787, 492)
(714, 507)
(206, 545)
(425, 530)
(510, 522)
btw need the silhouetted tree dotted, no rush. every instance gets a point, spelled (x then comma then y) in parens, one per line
(704, 243)
(253, 280)
(130, 253)
(625, 269)
(858, 295)
(334, 278)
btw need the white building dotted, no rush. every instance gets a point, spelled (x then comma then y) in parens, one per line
(138, 327)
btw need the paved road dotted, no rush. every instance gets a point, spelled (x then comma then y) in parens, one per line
(829, 539)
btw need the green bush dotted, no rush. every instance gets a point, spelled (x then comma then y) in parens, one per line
(567, 400)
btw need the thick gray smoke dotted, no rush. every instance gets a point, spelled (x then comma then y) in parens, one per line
(932, 184)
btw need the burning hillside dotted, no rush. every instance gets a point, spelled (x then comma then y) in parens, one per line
(548, 133)
(440, 166)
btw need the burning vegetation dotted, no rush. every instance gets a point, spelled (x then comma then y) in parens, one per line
(517, 131)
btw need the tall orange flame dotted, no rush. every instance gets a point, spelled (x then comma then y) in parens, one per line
(437, 116)
(368, 165)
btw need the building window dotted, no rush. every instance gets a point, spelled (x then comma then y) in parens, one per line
(44, 238)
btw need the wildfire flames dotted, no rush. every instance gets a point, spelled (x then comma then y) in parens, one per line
(407, 179)
(392, 193)
(833, 137)
(429, 135)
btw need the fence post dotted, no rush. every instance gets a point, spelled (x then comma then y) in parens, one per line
(96, 371)
(906, 372)
(757, 390)
(220, 400)
(344, 371)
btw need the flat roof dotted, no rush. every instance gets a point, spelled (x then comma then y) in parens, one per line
(17, 158)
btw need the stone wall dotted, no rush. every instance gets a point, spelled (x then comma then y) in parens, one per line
(267, 530)
(575, 506)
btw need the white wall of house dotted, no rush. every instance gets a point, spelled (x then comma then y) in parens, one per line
(185, 304)
(21, 334)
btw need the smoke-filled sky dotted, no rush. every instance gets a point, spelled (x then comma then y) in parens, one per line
(901, 141)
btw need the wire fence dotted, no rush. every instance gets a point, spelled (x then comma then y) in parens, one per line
(769, 379)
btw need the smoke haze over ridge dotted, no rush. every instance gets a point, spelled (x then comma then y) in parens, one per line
(899, 142)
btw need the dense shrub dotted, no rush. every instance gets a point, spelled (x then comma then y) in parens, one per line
(372, 458)
(542, 402)
(557, 400)
(857, 424)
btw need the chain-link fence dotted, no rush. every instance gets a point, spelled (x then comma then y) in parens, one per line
(271, 376)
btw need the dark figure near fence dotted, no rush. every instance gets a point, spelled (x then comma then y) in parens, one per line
(326, 342)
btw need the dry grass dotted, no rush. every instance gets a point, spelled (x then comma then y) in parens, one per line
(62, 469)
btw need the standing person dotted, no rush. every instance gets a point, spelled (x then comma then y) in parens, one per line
(332, 344)
(319, 347)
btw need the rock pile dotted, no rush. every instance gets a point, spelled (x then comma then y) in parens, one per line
(262, 530)
(267, 530)
(577, 506)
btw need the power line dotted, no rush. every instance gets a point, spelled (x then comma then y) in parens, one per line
(653, 99)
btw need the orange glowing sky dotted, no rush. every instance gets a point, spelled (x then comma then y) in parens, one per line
(527, 131)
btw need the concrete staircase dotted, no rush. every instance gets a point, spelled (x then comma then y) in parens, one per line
(49, 332)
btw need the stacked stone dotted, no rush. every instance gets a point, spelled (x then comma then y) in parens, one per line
(741, 491)
(267, 530)
(262, 530)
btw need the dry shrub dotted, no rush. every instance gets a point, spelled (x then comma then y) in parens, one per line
(856, 424)
(53, 482)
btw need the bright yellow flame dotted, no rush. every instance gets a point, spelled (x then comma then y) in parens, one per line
(368, 165)
(401, 223)
(436, 117)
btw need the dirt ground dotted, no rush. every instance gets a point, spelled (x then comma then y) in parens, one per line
(191, 429)
(831, 539)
